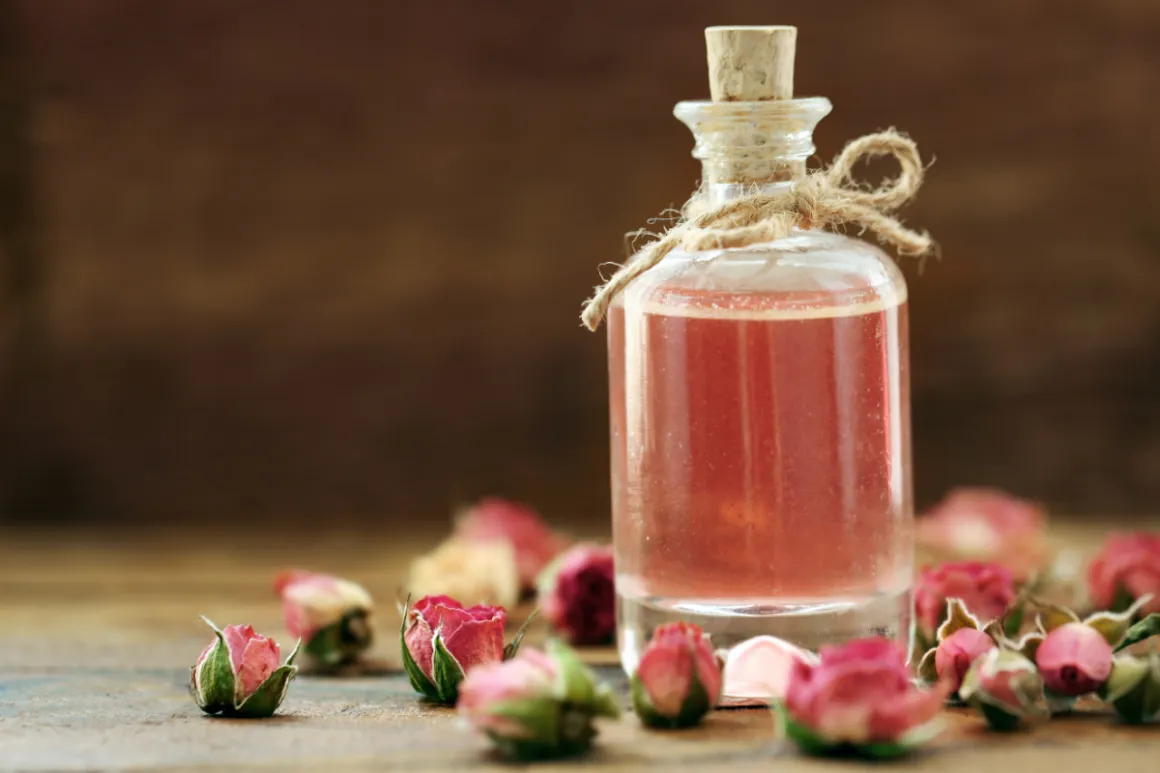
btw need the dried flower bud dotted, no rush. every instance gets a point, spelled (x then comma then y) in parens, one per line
(330, 615)
(537, 705)
(238, 674)
(1133, 689)
(679, 677)
(578, 595)
(1005, 687)
(476, 570)
(443, 641)
(961, 639)
(533, 544)
(859, 696)
(1074, 659)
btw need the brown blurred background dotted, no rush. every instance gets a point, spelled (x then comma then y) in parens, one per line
(303, 260)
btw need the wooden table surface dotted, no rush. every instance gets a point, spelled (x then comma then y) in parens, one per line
(97, 636)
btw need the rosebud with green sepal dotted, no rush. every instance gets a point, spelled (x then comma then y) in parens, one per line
(238, 674)
(442, 641)
(678, 680)
(1004, 686)
(537, 705)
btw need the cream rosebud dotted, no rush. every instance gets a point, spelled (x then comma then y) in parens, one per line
(238, 674)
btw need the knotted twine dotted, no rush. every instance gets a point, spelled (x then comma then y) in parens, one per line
(827, 198)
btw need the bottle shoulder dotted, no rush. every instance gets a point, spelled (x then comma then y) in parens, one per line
(808, 270)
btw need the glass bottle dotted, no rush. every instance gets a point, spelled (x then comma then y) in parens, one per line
(760, 418)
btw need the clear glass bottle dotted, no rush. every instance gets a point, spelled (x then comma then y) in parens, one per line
(760, 418)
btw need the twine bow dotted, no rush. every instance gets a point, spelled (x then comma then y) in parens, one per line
(821, 199)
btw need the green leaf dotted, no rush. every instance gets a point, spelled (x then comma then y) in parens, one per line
(1013, 619)
(264, 701)
(511, 649)
(216, 677)
(419, 681)
(447, 672)
(1145, 629)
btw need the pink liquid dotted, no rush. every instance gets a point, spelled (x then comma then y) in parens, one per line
(760, 454)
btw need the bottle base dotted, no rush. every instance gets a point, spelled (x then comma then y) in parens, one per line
(808, 623)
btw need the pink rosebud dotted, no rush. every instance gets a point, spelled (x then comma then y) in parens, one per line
(330, 614)
(758, 669)
(536, 705)
(238, 673)
(1074, 659)
(860, 695)
(532, 541)
(443, 641)
(986, 590)
(1126, 569)
(982, 524)
(957, 652)
(678, 680)
(1004, 686)
(578, 595)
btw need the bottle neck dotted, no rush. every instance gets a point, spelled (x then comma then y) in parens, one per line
(718, 193)
(752, 147)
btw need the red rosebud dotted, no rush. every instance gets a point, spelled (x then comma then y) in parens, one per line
(578, 595)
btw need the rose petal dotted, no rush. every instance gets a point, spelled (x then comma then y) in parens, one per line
(759, 668)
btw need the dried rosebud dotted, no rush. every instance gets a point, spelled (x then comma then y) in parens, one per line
(537, 705)
(987, 590)
(533, 543)
(443, 641)
(1133, 689)
(960, 640)
(859, 696)
(238, 674)
(1005, 687)
(478, 570)
(578, 595)
(1074, 659)
(758, 669)
(982, 524)
(328, 613)
(678, 680)
(1126, 570)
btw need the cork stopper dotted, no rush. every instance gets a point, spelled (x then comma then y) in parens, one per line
(750, 64)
